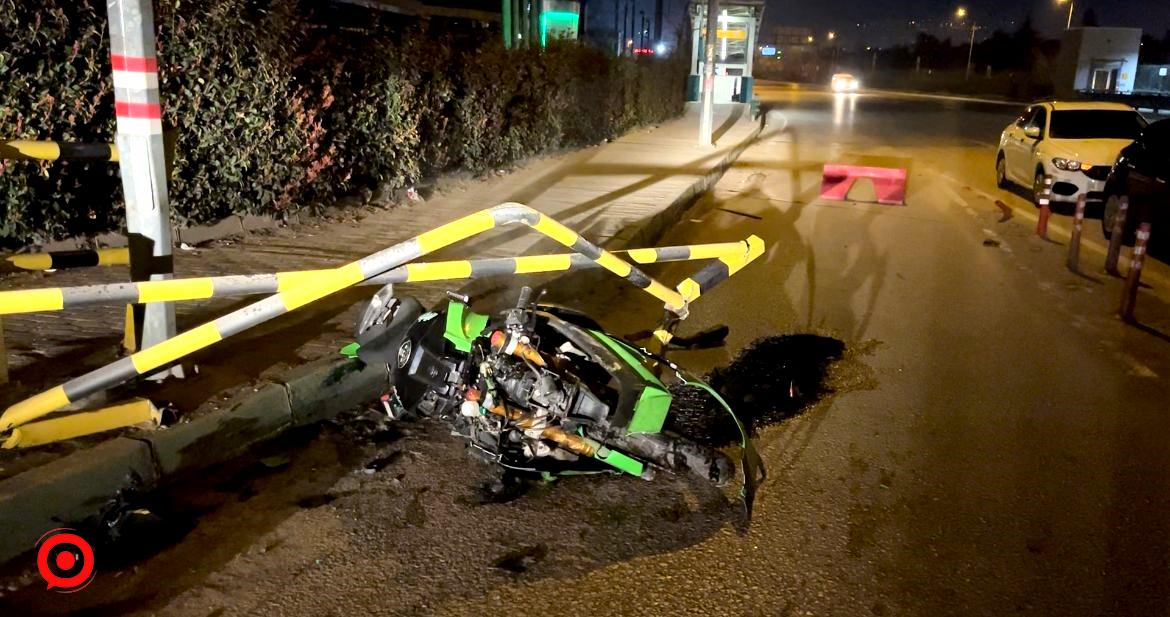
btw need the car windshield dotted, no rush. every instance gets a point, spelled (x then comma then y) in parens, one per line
(1096, 124)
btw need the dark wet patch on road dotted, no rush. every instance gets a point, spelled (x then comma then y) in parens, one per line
(522, 559)
(774, 378)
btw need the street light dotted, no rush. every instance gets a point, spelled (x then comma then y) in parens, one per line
(1071, 4)
(960, 13)
(832, 35)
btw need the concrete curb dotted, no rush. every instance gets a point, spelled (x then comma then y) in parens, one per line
(77, 486)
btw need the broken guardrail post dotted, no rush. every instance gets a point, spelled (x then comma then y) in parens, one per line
(1117, 236)
(1045, 209)
(1134, 276)
(1074, 243)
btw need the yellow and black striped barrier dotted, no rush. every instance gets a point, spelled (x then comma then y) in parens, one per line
(27, 149)
(177, 290)
(707, 278)
(720, 270)
(82, 258)
(326, 282)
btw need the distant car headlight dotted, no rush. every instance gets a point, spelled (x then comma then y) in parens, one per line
(1066, 164)
(854, 84)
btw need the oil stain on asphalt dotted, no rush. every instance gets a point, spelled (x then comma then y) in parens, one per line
(772, 379)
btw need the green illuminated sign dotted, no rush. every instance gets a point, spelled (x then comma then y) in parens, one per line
(560, 24)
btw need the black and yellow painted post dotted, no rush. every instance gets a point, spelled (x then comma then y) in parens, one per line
(23, 149)
(60, 260)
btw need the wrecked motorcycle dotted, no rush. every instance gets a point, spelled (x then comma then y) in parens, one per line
(543, 389)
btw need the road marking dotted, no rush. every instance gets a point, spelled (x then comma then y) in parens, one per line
(1136, 367)
(1065, 234)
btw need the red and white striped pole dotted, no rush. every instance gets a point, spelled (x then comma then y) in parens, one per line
(1045, 209)
(142, 158)
(1074, 243)
(1134, 277)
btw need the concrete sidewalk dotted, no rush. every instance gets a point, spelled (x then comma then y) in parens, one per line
(253, 386)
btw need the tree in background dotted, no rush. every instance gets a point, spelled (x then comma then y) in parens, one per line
(1090, 19)
(1155, 51)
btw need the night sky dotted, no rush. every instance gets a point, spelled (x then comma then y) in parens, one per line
(887, 22)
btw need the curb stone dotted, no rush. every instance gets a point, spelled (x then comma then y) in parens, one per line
(69, 489)
(76, 486)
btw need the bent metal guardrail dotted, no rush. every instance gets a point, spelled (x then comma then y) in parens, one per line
(203, 288)
(328, 282)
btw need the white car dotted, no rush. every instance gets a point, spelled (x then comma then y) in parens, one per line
(1075, 142)
(844, 82)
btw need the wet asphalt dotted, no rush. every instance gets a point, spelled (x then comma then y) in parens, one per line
(991, 442)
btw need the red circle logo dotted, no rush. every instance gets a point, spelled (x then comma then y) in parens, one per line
(65, 560)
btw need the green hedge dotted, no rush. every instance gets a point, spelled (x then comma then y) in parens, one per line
(279, 108)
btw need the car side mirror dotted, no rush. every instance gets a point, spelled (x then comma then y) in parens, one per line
(1032, 132)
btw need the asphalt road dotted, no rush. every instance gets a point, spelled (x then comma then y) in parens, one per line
(996, 445)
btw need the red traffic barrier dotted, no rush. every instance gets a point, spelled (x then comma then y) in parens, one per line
(889, 183)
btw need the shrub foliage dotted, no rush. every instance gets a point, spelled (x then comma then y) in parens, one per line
(282, 105)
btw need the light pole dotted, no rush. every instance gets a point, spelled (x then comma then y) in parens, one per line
(832, 38)
(707, 101)
(1071, 4)
(960, 13)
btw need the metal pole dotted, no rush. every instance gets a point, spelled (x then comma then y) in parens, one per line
(970, 50)
(534, 24)
(658, 21)
(707, 106)
(629, 36)
(1134, 277)
(617, 29)
(143, 158)
(1074, 243)
(517, 25)
(1116, 237)
(1071, 4)
(506, 22)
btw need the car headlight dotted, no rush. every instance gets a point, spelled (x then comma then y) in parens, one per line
(1066, 164)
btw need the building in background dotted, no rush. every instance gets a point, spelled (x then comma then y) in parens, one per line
(1100, 60)
(784, 37)
(1152, 79)
(735, 48)
(474, 10)
(526, 23)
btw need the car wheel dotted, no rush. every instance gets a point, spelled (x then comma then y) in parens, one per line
(1109, 215)
(1001, 179)
(1038, 188)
